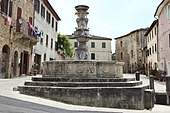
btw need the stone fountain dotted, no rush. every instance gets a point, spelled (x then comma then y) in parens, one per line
(82, 33)
(85, 82)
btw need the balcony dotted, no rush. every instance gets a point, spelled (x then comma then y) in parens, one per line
(25, 34)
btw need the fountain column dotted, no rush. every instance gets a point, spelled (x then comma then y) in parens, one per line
(82, 33)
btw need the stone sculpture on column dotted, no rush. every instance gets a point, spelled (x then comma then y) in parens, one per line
(82, 33)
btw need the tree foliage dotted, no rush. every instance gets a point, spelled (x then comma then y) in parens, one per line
(65, 45)
(114, 56)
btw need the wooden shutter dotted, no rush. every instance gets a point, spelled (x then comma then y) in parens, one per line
(2, 5)
(10, 8)
(29, 29)
(19, 12)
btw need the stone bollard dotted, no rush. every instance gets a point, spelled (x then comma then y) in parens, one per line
(168, 84)
(137, 75)
(168, 88)
(149, 98)
(151, 82)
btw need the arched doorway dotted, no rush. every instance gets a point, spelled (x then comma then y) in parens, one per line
(5, 61)
(15, 64)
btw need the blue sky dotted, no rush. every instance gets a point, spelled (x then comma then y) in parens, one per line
(107, 18)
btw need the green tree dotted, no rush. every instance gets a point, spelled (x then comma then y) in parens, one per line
(65, 45)
(114, 56)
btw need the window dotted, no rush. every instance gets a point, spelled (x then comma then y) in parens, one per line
(48, 17)
(121, 43)
(121, 56)
(92, 56)
(37, 6)
(92, 44)
(10, 8)
(46, 40)
(6, 7)
(44, 56)
(75, 44)
(52, 25)
(56, 26)
(155, 47)
(19, 12)
(51, 43)
(152, 49)
(56, 46)
(168, 11)
(42, 11)
(155, 31)
(103, 44)
(169, 40)
(30, 29)
(131, 53)
(41, 40)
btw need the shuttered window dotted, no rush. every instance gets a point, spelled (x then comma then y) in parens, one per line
(29, 29)
(19, 12)
(42, 11)
(4, 6)
(52, 25)
(56, 26)
(37, 6)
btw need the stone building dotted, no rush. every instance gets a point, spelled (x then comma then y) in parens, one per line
(152, 52)
(99, 47)
(16, 37)
(129, 49)
(163, 15)
(46, 26)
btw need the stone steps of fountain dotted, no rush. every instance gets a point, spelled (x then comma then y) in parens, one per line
(124, 97)
(83, 84)
(66, 79)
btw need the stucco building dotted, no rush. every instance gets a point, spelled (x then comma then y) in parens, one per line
(163, 15)
(152, 47)
(46, 27)
(129, 49)
(99, 47)
(16, 37)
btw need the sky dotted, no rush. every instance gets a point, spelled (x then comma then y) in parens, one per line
(107, 18)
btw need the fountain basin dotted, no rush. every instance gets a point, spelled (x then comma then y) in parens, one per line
(83, 69)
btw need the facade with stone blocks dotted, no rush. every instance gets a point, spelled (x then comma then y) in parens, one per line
(46, 27)
(16, 37)
(99, 47)
(152, 47)
(163, 15)
(129, 50)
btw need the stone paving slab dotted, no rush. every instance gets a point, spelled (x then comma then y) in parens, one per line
(7, 85)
